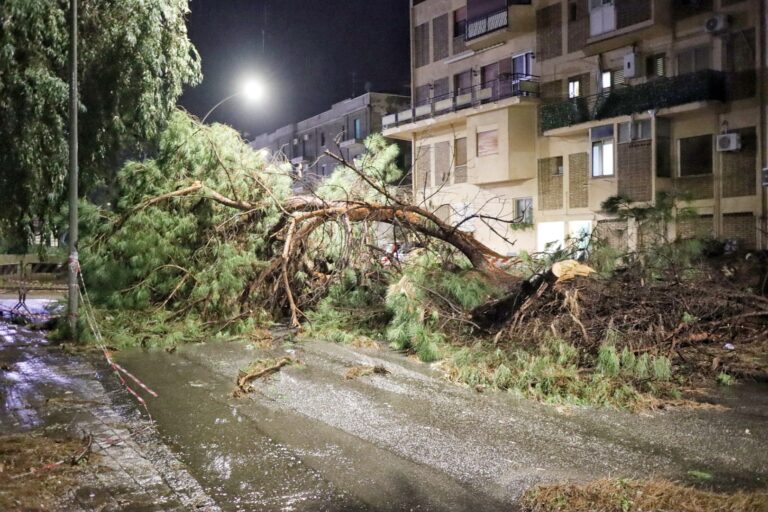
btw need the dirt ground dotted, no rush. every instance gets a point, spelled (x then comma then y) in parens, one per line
(37, 470)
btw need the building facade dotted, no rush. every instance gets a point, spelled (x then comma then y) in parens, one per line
(340, 130)
(537, 111)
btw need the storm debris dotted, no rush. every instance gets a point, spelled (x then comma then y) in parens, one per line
(257, 370)
(610, 495)
(362, 370)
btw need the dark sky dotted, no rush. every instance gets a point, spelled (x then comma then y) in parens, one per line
(307, 55)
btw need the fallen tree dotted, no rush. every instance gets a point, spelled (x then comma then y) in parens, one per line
(208, 201)
(208, 238)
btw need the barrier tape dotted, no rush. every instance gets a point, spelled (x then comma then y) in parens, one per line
(94, 326)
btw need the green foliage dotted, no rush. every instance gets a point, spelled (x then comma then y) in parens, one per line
(555, 371)
(135, 58)
(725, 379)
(608, 362)
(350, 309)
(184, 255)
(379, 171)
(418, 299)
(660, 256)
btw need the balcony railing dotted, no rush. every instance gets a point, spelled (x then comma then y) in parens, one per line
(498, 89)
(707, 85)
(483, 25)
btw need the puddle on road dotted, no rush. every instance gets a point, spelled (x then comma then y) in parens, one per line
(238, 465)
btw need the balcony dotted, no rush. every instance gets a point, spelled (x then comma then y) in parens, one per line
(483, 25)
(511, 19)
(707, 85)
(622, 22)
(506, 87)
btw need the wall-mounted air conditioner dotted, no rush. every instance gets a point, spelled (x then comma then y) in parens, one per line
(717, 23)
(632, 65)
(728, 142)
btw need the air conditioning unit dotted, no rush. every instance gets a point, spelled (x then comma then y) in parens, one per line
(632, 65)
(717, 23)
(728, 142)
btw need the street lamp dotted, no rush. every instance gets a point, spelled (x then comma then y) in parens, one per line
(251, 89)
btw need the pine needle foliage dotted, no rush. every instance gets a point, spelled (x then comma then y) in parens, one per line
(185, 256)
(427, 299)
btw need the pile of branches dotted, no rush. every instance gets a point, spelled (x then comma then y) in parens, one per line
(705, 320)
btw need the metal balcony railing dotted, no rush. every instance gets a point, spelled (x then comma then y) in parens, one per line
(508, 86)
(478, 27)
(706, 85)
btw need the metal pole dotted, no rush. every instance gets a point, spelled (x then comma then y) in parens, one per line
(73, 263)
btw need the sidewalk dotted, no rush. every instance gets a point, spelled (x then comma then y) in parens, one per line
(44, 390)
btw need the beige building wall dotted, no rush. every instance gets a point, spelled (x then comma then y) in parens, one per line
(553, 164)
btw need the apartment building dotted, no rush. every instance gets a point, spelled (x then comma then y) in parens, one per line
(537, 111)
(341, 130)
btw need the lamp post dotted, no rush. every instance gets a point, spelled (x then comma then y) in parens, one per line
(73, 264)
(252, 90)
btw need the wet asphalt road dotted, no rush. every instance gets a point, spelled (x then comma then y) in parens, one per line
(310, 439)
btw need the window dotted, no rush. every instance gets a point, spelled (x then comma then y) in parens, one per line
(550, 236)
(489, 75)
(694, 59)
(573, 11)
(605, 80)
(637, 130)
(440, 89)
(524, 210)
(460, 161)
(460, 22)
(421, 45)
(487, 142)
(322, 138)
(609, 79)
(522, 65)
(358, 129)
(462, 82)
(422, 94)
(558, 169)
(574, 88)
(602, 158)
(602, 17)
(655, 66)
(696, 155)
(602, 151)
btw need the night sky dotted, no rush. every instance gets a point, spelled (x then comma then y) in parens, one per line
(307, 51)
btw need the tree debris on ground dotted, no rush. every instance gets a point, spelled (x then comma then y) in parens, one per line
(612, 495)
(36, 471)
(257, 370)
(362, 370)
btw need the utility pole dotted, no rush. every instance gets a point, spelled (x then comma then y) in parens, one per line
(73, 263)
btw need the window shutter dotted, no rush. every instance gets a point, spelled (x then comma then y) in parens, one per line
(487, 142)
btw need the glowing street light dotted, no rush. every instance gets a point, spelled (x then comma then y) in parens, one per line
(251, 89)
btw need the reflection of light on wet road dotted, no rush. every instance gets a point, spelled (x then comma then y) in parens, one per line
(30, 376)
(37, 370)
(7, 332)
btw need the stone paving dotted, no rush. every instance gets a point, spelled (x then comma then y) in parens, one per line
(43, 388)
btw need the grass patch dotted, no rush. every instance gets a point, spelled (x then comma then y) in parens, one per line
(610, 495)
